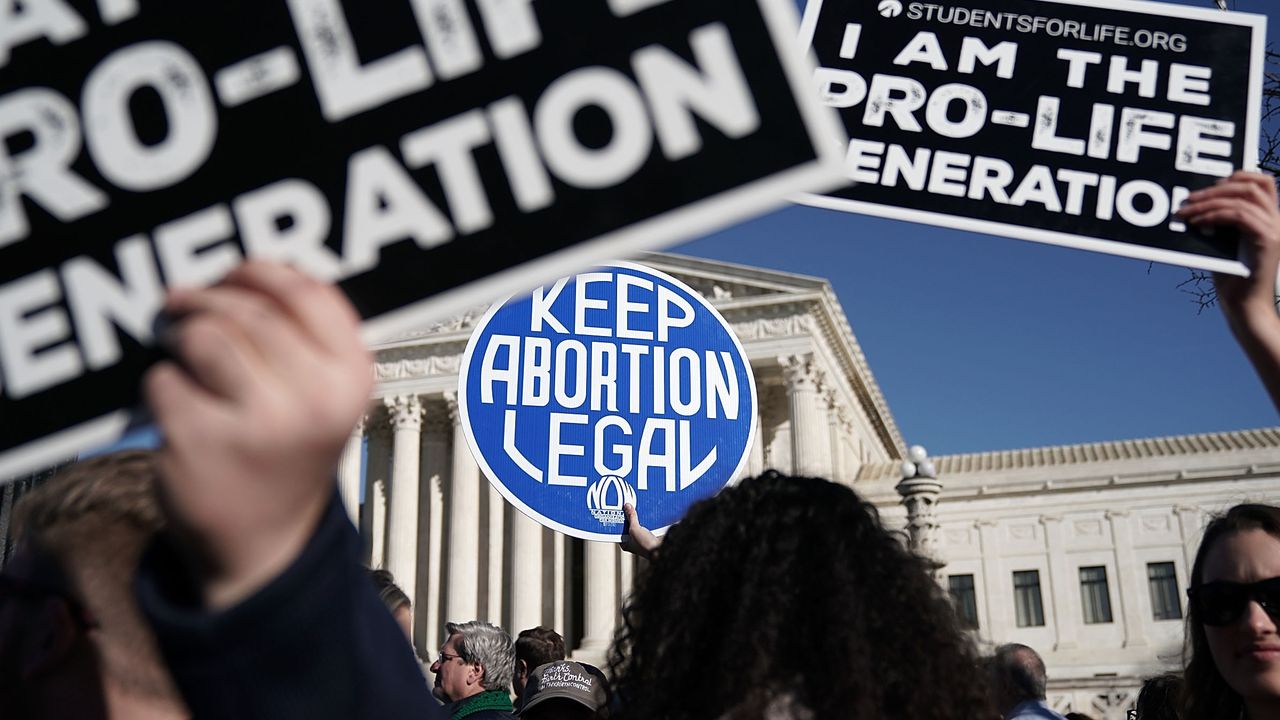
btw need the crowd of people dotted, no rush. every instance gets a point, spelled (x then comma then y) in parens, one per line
(219, 576)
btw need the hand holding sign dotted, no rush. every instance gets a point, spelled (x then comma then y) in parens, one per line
(1247, 201)
(636, 538)
(272, 376)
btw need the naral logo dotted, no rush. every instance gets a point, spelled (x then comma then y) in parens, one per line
(890, 8)
(606, 497)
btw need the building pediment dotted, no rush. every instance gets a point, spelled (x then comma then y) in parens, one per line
(719, 282)
(773, 313)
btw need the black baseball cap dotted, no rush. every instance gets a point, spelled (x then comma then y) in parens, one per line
(576, 681)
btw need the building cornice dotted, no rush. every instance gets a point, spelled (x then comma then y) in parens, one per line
(1241, 454)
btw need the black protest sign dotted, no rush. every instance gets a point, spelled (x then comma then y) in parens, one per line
(426, 154)
(1080, 123)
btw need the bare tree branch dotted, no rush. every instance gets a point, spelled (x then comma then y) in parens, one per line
(1199, 284)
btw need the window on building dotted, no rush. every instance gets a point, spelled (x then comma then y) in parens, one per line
(1094, 596)
(964, 598)
(1163, 581)
(1026, 597)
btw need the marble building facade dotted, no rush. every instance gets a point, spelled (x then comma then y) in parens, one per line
(1105, 515)
(427, 513)
(1083, 552)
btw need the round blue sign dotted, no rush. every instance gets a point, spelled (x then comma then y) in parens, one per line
(620, 385)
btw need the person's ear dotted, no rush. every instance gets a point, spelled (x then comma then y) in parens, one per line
(522, 670)
(475, 673)
(50, 633)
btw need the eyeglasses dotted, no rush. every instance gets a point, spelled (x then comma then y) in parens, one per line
(1222, 603)
(445, 657)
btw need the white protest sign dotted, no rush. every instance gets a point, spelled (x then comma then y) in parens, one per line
(427, 155)
(1082, 123)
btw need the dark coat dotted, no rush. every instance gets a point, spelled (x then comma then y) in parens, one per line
(314, 643)
(481, 707)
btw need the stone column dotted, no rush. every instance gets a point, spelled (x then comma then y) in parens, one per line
(601, 601)
(755, 459)
(626, 579)
(378, 550)
(831, 399)
(1189, 527)
(1130, 581)
(405, 412)
(775, 428)
(547, 582)
(850, 460)
(810, 435)
(526, 572)
(998, 584)
(559, 573)
(435, 465)
(1063, 590)
(349, 467)
(376, 478)
(497, 509)
(463, 564)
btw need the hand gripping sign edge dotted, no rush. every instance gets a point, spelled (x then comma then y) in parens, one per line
(736, 465)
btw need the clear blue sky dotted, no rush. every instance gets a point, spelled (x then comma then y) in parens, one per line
(986, 343)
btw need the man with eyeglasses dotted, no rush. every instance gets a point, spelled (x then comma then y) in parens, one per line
(473, 671)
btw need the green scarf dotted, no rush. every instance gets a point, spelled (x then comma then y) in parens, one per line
(487, 700)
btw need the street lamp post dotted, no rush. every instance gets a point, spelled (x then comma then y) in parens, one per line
(920, 489)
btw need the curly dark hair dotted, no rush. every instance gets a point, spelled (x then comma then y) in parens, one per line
(1205, 694)
(787, 592)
